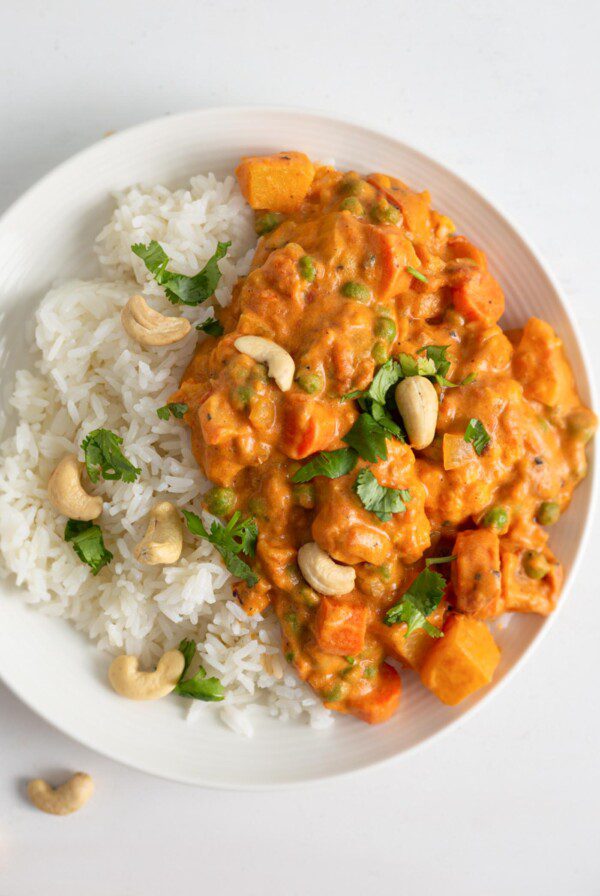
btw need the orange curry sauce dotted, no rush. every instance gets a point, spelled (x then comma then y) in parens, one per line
(325, 230)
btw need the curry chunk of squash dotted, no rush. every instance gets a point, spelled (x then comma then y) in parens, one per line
(540, 365)
(278, 182)
(476, 572)
(381, 702)
(522, 594)
(479, 297)
(464, 660)
(340, 626)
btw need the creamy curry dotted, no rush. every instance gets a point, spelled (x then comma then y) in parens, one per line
(365, 287)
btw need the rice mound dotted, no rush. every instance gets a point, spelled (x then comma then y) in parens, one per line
(86, 373)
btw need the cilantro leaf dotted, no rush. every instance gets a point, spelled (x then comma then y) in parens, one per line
(367, 437)
(103, 456)
(382, 416)
(419, 601)
(178, 410)
(379, 499)
(437, 355)
(416, 366)
(88, 544)
(199, 687)
(477, 434)
(188, 649)
(180, 289)
(211, 326)
(238, 536)
(331, 464)
(386, 377)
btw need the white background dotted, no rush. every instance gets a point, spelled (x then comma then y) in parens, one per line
(506, 93)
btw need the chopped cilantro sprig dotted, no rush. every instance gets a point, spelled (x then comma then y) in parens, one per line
(180, 289)
(173, 407)
(237, 537)
(419, 600)
(104, 457)
(379, 499)
(477, 434)
(88, 544)
(331, 464)
(198, 687)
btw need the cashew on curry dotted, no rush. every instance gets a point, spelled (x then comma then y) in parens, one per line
(352, 276)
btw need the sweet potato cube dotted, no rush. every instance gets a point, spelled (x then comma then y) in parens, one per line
(539, 363)
(476, 572)
(462, 661)
(341, 626)
(278, 183)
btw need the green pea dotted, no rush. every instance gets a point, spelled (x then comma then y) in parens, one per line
(496, 518)
(267, 223)
(304, 495)
(384, 213)
(350, 660)
(581, 424)
(548, 513)
(370, 672)
(535, 565)
(307, 268)
(240, 397)
(290, 656)
(358, 291)
(351, 185)
(334, 694)
(384, 572)
(352, 204)
(292, 621)
(310, 382)
(380, 353)
(257, 506)
(385, 328)
(308, 597)
(220, 501)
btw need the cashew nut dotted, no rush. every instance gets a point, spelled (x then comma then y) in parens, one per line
(320, 571)
(63, 800)
(418, 404)
(163, 540)
(67, 494)
(280, 364)
(126, 678)
(150, 327)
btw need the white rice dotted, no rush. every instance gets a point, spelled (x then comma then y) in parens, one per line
(86, 373)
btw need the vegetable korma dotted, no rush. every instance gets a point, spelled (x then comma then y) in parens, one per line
(386, 458)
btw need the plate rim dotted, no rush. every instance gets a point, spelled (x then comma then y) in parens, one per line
(316, 778)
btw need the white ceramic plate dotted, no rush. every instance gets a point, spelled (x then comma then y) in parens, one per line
(49, 233)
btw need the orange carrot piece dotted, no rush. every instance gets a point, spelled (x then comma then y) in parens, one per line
(340, 626)
(479, 297)
(380, 703)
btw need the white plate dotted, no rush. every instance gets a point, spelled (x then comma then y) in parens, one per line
(49, 233)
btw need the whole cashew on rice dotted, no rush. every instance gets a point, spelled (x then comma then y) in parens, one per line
(63, 800)
(67, 494)
(320, 571)
(150, 327)
(280, 363)
(129, 681)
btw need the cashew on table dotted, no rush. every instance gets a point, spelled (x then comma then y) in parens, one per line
(62, 800)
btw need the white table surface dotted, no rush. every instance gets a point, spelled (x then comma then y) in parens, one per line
(506, 93)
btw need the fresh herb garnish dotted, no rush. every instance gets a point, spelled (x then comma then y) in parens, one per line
(386, 377)
(477, 434)
(211, 326)
(103, 456)
(179, 289)
(237, 537)
(367, 438)
(88, 544)
(416, 274)
(199, 687)
(379, 499)
(331, 464)
(416, 366)
(470, 378)
(432, 561)
(173, 407)
(437, 355)
(417, 603)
